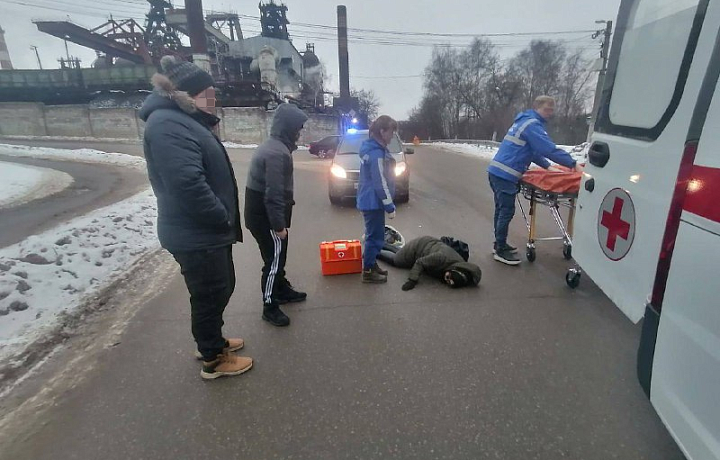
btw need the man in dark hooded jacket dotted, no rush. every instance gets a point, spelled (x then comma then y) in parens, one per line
(429, 255)
(198, 214)
(268, 208)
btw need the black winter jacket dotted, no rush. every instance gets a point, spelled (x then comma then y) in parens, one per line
(190, 173)
(269, 188)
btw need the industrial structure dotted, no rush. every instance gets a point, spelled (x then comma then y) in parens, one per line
(259, 71)
(5, 62)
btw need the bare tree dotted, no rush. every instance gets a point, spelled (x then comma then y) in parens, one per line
(368, 102)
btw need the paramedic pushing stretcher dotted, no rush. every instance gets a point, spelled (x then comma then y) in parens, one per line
(526, 142)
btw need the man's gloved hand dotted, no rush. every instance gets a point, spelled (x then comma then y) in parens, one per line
(409, 284)
(391, 215)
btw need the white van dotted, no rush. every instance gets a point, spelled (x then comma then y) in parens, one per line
(648, 215)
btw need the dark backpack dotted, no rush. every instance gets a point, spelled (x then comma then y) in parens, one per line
(459, 246)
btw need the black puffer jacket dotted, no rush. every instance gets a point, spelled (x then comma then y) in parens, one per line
(190, 172)
(269, 188)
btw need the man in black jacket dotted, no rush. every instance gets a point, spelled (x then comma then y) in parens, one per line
(198, 213)
(268, 208)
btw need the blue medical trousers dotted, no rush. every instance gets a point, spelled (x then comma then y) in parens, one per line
(374, 236)
(505, 192)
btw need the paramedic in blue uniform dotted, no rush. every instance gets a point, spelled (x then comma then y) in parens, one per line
(526, 142)
(376, 189)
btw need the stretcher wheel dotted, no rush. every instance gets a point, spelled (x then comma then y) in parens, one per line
(572, 278)
(567, 251)
(530, 254)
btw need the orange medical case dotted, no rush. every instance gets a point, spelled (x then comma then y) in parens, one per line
(341, 257)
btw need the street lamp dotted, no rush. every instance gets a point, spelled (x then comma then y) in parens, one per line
(37, 55)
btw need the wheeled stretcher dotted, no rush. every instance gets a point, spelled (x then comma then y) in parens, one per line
(555, 189)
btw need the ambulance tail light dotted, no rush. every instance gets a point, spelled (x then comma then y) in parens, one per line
(673, 224)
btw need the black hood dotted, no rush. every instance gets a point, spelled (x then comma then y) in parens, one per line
(287, 123)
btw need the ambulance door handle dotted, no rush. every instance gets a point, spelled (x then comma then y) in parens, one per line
(599, 154)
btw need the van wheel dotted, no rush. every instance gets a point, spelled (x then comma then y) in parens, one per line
(334, 200)
(572, 278)
(403, 199)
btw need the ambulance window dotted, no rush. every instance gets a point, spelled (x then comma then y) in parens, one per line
(648, 73)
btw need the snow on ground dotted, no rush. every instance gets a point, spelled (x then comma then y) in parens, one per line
(476, 150)
(579, 152)
(48, 276)
(78, 155)
(233, 145)
(21, 184)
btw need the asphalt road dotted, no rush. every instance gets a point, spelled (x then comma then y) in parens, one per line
(520, 368)
(94, 186)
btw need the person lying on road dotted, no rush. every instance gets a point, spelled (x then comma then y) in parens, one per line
(428, 254)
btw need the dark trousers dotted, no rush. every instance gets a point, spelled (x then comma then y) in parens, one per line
(374, 236)
(505, 192)
(210, 279)
(274, 254)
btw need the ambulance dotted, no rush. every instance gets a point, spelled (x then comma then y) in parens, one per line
(648, 215)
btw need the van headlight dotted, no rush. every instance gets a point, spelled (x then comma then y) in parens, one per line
(400, 168)
(338, 171)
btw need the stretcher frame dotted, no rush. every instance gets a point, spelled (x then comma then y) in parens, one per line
(554, 201)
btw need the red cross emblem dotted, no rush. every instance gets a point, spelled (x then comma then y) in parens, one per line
(616, 224)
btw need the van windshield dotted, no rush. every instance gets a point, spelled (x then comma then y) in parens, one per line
(351, 145)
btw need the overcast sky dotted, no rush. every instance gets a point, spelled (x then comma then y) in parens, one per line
(392, 71)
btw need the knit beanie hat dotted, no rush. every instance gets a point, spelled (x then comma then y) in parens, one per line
(186, 76)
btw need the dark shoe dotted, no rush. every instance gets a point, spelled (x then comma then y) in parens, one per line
(506, 257)
(226, 364)
(290, 295)
(230, 346)
(273, 315)
(512, 249)
(372, 276)
(377, 269)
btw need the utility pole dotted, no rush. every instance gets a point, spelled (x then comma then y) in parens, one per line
(604, 55)
(37, 55)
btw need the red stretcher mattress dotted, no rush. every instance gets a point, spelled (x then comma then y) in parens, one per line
(559, 179)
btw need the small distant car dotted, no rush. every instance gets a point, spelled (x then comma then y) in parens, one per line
(345, 169)
(325, 147)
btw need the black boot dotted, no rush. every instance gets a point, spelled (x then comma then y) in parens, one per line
(273, 315)
(377, 269)
(289, 295)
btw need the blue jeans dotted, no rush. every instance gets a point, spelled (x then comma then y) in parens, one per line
(374, 236)
(504, 191)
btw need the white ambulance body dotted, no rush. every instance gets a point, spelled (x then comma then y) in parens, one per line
(648, 216)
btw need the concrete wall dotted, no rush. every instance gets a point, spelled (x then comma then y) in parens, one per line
(245, 125)
(22, 119)
(114, 123)
(67, 121)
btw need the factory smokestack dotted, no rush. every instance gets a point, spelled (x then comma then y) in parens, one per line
(343, 53)
(5, 62)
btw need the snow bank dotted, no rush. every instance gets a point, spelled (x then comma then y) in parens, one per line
(48, 275)
(233, 145)
(475, 150)
(78, 155)
(21, 183)
(578, 152)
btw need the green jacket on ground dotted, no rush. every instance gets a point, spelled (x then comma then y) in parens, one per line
(428, 254)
